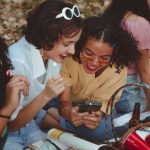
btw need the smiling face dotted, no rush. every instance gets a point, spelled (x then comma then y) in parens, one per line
(64, 47)
(95, 55)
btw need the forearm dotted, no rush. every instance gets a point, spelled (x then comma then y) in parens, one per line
(65, 109)
(144, 76)
(29, 112)
(65, 105)
(144, 71)
(5, 111)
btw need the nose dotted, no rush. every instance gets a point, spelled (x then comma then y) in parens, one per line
(95, 61)
(71, 50)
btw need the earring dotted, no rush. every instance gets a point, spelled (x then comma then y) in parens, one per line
(42, 54)
(10, 73)
(81, 54)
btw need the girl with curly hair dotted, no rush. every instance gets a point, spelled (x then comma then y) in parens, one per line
(95, 71)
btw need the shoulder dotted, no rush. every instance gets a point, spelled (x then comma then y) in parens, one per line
(112, 72)
(135, 22)
(70, 61)
(19, 50)
(139, 27)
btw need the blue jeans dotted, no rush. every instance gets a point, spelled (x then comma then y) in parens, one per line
(130, 96)
(96, 134)
(53, 103)
(26, 135)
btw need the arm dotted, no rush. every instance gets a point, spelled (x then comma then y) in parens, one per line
(53, 88)
(144, 72)
(13, 88)
(67, 111)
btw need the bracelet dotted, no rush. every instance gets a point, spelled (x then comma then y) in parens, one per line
(62, 112)
(4, 116)
(4, 132)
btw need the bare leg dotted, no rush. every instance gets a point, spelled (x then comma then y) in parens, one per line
(51, 120)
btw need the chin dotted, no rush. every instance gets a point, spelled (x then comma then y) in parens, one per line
(89, 71)
(58, 60)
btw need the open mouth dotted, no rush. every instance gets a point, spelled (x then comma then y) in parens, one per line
(62, 56)
(91, 68)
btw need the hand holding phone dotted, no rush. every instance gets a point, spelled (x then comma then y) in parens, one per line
(89, 106)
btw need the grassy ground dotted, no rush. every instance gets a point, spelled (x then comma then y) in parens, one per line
(13, 13)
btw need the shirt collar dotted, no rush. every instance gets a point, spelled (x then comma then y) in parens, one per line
(38, 66)
(39, 69)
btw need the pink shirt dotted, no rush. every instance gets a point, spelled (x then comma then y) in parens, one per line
(140, 29)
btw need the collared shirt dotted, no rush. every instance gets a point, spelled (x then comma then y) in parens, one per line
(27, 61)
(86, 86)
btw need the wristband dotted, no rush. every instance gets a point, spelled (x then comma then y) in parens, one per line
(4, 116)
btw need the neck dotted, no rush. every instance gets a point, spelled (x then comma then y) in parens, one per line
(100, 71)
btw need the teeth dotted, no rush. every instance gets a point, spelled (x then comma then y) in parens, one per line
(91, 67)
(64, 55)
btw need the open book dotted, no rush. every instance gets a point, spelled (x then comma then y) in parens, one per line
(66, 140)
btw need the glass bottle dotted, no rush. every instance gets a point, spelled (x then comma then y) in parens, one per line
(135, 119)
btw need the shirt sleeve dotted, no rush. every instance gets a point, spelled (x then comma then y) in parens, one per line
(66, 72)
(140, 30)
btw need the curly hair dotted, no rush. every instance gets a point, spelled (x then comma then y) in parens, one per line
(125, 50)
(43, 29)
(118, 8)
(4, 66)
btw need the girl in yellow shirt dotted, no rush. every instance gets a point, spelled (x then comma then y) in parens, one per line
(96, 70)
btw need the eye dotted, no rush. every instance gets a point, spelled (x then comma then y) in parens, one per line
(107, 58)
(88, 53)
(66, 44)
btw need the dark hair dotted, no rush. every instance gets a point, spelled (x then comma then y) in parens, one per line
(118, 8)
(43, 29)
(125, 47)
(4, 66)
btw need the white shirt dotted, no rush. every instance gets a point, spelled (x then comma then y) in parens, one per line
(27, 61)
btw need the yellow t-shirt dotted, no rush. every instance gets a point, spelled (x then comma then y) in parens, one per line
(86, 86)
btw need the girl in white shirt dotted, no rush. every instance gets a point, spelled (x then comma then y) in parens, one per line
(51, 32)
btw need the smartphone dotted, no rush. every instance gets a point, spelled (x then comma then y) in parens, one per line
(89, 106)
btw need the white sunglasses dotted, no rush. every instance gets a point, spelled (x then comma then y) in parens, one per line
(68, 13)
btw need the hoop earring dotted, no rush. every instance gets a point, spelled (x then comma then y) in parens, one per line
(10, 73)
(81, 54)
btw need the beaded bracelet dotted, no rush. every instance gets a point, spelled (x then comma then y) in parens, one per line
(4, 116)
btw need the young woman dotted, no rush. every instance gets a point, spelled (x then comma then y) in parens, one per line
(52, 30)
(134, 16)
(9, 90)
(95, 71)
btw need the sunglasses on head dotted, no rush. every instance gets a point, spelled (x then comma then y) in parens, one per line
(68, 13)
